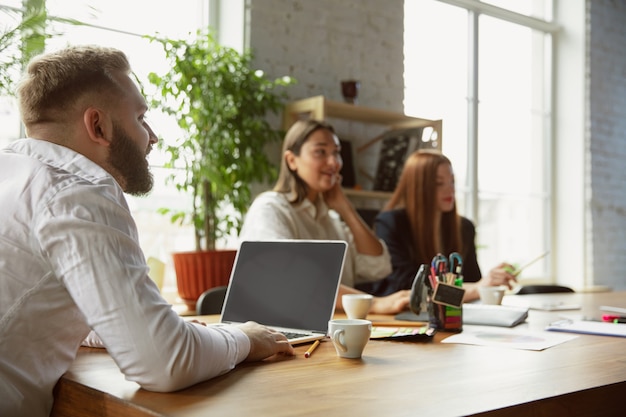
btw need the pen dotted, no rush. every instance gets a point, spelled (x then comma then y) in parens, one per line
(309, 352)
(619, 321)
(611, 317)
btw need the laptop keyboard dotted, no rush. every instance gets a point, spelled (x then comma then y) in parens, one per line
(293, 335)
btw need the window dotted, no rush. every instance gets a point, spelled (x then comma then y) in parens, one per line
(122, 24)
(486, 72)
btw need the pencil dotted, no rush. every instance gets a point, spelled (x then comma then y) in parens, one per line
(309, 352)
(519, 270)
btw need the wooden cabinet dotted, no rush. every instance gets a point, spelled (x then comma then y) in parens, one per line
(375, 125)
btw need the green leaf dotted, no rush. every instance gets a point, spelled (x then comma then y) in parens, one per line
(221, 102)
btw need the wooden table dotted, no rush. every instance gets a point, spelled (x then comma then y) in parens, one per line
(584, 376)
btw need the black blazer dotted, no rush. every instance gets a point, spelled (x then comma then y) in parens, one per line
(393, 227)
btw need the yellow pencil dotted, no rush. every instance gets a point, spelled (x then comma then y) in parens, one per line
(309, 352)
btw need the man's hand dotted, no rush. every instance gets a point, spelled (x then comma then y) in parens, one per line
(265, 342)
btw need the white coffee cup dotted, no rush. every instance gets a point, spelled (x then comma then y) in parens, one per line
(356, 306)
(349, 336)
(491, 295)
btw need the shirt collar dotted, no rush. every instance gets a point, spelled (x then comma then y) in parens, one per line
(60, 157)
(317, 210)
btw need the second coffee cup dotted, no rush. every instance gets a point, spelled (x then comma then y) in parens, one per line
(491, 295)
(356, 306)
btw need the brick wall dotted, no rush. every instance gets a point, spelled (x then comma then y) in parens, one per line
(606, 136)
(322, 42)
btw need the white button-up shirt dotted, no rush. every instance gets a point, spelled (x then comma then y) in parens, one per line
(70, 261)
(272, 216)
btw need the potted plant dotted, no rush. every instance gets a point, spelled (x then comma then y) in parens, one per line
(221, 103)
(23, 40)
(19, 43)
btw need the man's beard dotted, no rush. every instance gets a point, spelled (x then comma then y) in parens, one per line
(130, 162)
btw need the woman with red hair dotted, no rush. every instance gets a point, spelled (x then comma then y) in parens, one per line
(420, 221)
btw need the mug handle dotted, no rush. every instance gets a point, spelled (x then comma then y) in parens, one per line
(336, 338)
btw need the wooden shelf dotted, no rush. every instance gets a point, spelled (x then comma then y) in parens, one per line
(320, 108)
(379, 195)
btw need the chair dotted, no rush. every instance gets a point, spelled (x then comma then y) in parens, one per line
(542, 289)
(211, 301)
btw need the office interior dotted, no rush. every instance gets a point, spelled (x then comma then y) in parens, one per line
(588, 237)
(320, 43)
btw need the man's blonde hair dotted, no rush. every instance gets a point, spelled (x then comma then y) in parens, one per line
(55, 81)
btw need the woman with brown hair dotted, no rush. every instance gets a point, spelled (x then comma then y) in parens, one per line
(420, 221)
(309, 203)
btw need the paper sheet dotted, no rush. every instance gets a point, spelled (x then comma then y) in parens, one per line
(509, 338)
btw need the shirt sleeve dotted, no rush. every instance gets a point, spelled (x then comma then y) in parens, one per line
(90, 240)
(367, 268)
(370, 268)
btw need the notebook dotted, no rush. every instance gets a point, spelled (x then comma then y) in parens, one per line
(288, 285)
(480, 314)
(493, 315)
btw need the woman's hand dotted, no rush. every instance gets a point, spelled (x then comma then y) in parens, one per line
(365, 240)
(392, 303)
(335, 198)
(500, 275)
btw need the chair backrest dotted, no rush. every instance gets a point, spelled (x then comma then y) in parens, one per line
(211, 301)
(542, 289)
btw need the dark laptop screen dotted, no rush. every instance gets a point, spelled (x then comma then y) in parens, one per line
(285, 283)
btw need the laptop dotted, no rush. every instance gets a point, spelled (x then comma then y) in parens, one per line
(288, 285)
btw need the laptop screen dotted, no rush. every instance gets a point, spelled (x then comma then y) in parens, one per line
(288, 283)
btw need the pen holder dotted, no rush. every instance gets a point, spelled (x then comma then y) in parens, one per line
(443, 317)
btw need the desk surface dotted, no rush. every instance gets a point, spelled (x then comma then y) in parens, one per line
(584, 376)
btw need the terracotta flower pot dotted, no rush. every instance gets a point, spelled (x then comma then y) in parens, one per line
(196, 272)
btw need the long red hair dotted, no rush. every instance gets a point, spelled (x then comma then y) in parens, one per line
(415, 193)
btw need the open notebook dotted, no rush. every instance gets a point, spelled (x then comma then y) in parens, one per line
(288, 285)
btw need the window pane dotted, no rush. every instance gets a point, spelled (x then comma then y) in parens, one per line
(122, 24)
(143, 17)
(9, 121)
(512, 150)
(541, 9)
(16, 4)
(435, 53)
(513, 142)
(9, 115)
